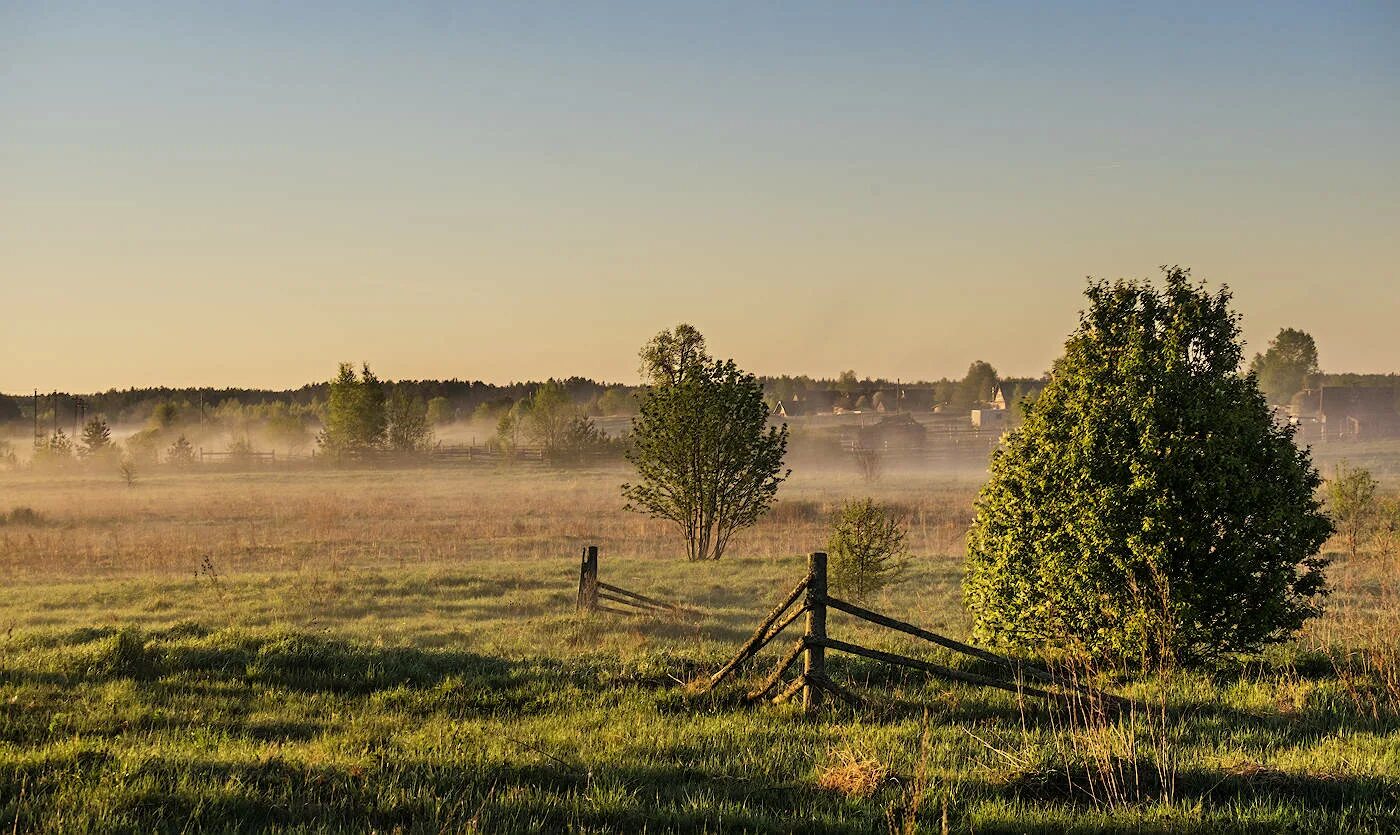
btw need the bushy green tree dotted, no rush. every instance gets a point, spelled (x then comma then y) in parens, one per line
(96, 438)
(440, 411)
(164, 415)
(580, 442)
(547, 414)
(408, 426)
(1148, 506)
(1287, 366)
(865, 550)
(979, 385)
(706, 458)
(617, 401)
(355, 412)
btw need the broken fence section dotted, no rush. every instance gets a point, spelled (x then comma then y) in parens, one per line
(591, 590)
(813, 682)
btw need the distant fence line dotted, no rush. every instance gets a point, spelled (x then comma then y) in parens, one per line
(445, 454)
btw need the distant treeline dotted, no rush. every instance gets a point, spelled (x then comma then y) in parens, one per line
(468, 399)
(462, 399)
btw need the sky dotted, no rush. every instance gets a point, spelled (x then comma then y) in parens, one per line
(245, 194)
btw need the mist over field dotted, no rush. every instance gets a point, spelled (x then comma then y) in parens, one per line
(699, 418)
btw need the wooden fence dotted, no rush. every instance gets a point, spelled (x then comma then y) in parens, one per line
(813, 682)
(238, 457)
(591, 590)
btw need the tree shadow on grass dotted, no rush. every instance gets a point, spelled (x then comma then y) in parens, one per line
(533, 794)
(1327, 802)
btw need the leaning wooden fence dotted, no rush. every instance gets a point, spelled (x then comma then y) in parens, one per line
(591, 590)
(813, 682)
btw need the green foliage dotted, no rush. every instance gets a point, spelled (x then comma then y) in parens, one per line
(508, 431)
(617, 401)
(355, 412)
(706, 458)
(96, 438)
(55, 453)
(1287, 366)
(865, 551)
(978, 386)
(164, 415)
(581, 442)
(440, 411)
(1149, 506)
(409, 429)
(1351, 501)
(180, 454)
(546, 415)
(9, 410)
(257, 711)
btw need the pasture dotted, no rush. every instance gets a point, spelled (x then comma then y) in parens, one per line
(342, 650)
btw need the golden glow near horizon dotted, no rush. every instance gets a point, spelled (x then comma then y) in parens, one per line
(245, 200)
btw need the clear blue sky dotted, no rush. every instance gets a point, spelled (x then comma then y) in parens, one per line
(244, 194)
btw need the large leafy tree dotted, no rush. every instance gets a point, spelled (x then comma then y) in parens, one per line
(706, 458)
(356, 418)
(547, 414)
(1287, 365)
(407, 426)
(979, 386)
(1148, 507)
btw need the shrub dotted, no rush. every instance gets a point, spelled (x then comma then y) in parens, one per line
(1149, 506)
(866, 551)
(23, 516)
(181, 453)
(1351, 501)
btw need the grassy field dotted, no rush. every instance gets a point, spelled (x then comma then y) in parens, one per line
(362, 650)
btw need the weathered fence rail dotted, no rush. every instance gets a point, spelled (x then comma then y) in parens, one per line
(813, 682)
(591, 590)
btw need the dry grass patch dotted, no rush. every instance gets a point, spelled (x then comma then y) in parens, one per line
(852, 774)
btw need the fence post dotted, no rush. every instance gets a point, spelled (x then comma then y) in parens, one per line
(588, 580)
(814, 660)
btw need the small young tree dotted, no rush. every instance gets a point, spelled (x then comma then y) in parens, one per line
(582, 440)
(180, 454)
(56, 452)
(240, 452)
(96, 439)
(869, 461)
(408, 426)
(865, 551)
(508, 431)
(126, 468)
(1149, 506)
(706, 458)
(1351, 501)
